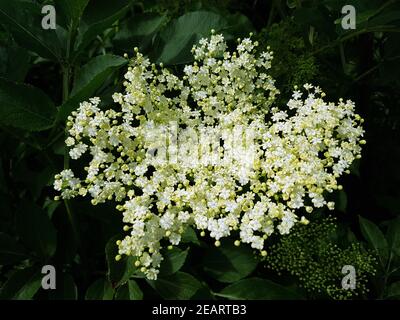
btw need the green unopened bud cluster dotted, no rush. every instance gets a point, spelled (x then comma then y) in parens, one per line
(311, 255)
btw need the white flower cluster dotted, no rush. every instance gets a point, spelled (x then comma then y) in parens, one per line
(299, 151)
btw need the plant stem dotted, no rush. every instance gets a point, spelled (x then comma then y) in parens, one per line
(65, 98)
(54, 140)
(366, 73)
(66, 69)
(65, 94)
(342, 57)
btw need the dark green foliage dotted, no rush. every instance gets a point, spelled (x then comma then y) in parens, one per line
(258, 289)
(310, 254)
(293, 63)
(229, 264)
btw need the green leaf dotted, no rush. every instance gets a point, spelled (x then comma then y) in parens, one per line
(50, 206)
(189, 236)
(173, 261)
(393, 236)
(65, 289)
(394, 290)
(100, 290)
(10, 251)
(72, 9)
(99, 16)
(316, 17)
(363, 17)
(238, 25)
(26, 107)
(24, 20)
(22, 284)
(14, 63)
(375, 238)
(36, 230)
(178, 286)
(94, 73)
(138, 31)
(181, 34)
(258, 289)
(118, 271)
(389, 18)
(89, 79)
(229, 263)
(129, 291)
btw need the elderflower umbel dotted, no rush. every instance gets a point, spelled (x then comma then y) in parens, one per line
(293, 154)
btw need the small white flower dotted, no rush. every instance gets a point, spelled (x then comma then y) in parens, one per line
(77, 151)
